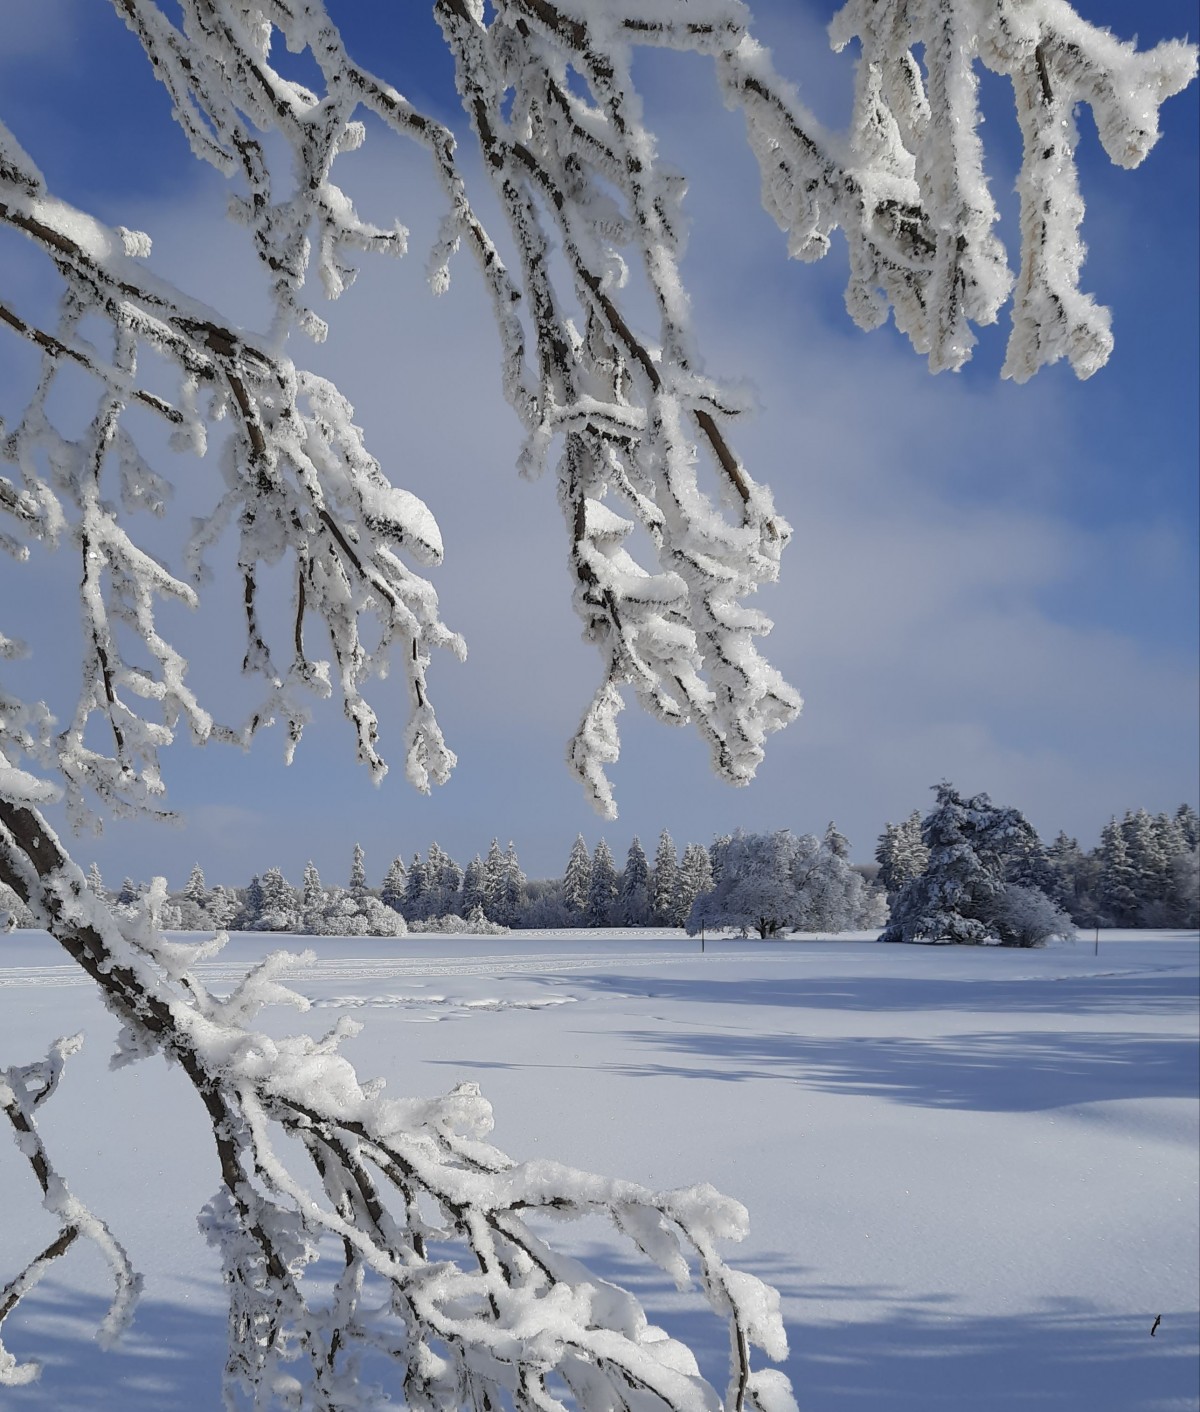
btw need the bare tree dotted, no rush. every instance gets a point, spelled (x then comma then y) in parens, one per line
(309, 1158)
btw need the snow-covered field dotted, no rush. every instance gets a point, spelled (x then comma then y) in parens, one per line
(971, 1173)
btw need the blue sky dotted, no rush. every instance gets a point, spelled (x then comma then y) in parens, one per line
(990, 583)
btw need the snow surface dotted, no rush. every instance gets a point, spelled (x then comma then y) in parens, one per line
(971, 1173)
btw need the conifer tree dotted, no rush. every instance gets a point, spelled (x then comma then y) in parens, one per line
(196, 889)
(473, 889)
(1118, 889)
(577, 880)
(493, 882)
(633, 893)
(312, 901)
(416, 891)
(395, 880)
(96, 882)
(901, 854)
(1188, 822)
(663, 880)
(514, 886)
(693, 879)
(602, 887)
(252, 906)
(959, 895)
(836, 842)
(358, 871)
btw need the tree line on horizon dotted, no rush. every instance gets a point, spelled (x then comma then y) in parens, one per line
(965, 871)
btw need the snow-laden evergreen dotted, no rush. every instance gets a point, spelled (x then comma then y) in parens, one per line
(966, 892)
(663, 879)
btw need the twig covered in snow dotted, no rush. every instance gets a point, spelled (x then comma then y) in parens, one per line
(23, 1090)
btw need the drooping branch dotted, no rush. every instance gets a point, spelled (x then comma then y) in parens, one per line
(298, 477)
(385, 1179)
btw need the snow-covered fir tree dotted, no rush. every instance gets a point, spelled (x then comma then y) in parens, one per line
(633, 892)
(1118, 879)
(577, 880)
(358, 871)
(443, 883)
(959, 895)
(474, 894)
(901, 854)
(193, 903)
(313, 902)
(602, 887)
(395, 882)
(663, 877)
(493, 881)
(95, 882)
(223, 906)
(196, 889)
(250, 908)
(277, 911)
(513, 893)
(832, 895)
(693, 878)
(416, 890)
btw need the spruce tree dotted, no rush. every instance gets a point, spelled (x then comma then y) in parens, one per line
(277, 912)
(195, 889)
(836, 841)
(901, 854)
(663, 879)
(1189, 825)
(633, 892)
(602, 887)
(693, 879)
(416, 891)
(493, 882)
(514, 886)
(473, 888)
(1118, 881)
(959, 895)
(577, 880)
(312, 901)
(395, 881)
(358, 871)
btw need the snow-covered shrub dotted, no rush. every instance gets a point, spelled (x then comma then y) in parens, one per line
(453, 925)
(1026, 917)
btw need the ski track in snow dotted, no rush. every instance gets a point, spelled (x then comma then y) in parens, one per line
(363, 968)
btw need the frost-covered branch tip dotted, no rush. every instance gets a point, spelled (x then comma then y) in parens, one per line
(23, 1090)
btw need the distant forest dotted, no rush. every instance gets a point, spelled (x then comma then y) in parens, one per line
(988, 861)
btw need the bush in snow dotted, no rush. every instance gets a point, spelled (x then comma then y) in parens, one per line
(476, 924)
(1027, 917)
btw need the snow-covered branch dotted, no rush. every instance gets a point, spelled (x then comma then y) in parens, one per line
(297, 478)
(404, 1196)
